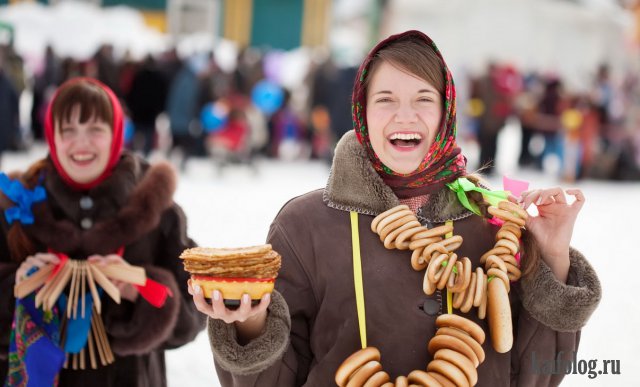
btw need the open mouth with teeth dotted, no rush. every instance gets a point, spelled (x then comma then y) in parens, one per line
(405, 140)
(83, 158)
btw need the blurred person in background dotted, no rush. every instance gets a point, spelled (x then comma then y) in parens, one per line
(183, 107)
(526, 108)
(288, 139)
(548, 120)
(402, 150)
(9, 109)
(45, 82)
(107, 68)
(496, 90)
(146, 100)
(105, 206)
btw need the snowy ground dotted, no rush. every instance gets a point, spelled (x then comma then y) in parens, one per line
(237, 207)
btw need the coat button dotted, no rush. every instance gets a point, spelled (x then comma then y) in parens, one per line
(431, 307)
(86, 223)
(86, 203)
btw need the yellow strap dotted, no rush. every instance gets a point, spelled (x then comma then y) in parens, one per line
(357, 278)
(449, 295)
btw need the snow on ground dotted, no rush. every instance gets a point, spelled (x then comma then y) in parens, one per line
(236, 208)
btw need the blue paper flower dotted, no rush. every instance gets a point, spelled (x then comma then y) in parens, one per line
(24, 199)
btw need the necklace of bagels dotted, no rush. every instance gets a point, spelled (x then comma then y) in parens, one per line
(457, 346)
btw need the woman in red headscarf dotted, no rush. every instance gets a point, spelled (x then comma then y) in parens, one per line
(403, 151)
(90, 201)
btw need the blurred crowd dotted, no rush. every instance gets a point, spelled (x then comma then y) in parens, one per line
(189, 106)
(592, 133)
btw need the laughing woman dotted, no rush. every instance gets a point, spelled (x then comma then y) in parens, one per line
(90, 201)
(402, 151)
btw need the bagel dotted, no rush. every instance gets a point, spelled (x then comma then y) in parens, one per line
(505, 233)
(442, 379)
(434, 270)
(402, 381)
(514, 228)
(458, 299)
(482, 309)
(460, 361)
(499, 312)
(469, 295)
(439, 342)
(470, 341)
(436, 231)
(429, 251)
(512, 207)
(450, 371)
(417, 242)
(447, 271)
(403, 240)
(456, 280)
(495, 261)
(423, 379)
(428, 287)
(390, 241)
(508, 258)
(417, 261)
(377, 219)
(464, 324)
(389, 228)
(501, 275)
(481, 280)
(452, 243)
(513, 272)
(360, 377)
(354, 362)
(506, 215)
(377, 380)
(494, 251)
(513, 247)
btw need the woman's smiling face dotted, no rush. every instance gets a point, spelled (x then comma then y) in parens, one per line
(83, 148)
(403, 117)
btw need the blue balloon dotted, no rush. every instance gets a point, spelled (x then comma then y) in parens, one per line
(213, 116)
(267, 96)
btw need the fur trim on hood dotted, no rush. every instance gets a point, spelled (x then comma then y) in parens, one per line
(354, 185)
(137, 193)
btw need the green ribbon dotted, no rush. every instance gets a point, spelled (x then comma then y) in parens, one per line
(462, 185)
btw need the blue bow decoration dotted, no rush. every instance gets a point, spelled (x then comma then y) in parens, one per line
(24, 199)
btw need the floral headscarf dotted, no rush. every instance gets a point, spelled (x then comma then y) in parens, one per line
(443, 162)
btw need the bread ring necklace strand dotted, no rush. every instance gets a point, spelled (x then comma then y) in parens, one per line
(457, 346)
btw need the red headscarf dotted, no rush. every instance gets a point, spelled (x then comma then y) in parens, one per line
(116, 142)
(443, 162)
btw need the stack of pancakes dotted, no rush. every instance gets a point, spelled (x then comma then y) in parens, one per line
(233, 271)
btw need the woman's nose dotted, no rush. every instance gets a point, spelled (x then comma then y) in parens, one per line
(406, 114)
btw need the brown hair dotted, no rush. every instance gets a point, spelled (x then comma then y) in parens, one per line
(93, 101)
(412, 55)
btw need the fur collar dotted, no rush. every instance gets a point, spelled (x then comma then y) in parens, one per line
(128, 205)
(354, 185)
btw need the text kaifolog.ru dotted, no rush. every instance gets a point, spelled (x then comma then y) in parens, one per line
(561, 365)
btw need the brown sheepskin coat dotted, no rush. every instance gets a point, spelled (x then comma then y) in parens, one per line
(134, 209)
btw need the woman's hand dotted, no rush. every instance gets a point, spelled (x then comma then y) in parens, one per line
(39, 260)
(127, 290)
(553, 227)
(249, 321)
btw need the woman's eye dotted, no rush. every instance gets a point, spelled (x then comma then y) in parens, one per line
(425, 99)
(383, 100)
